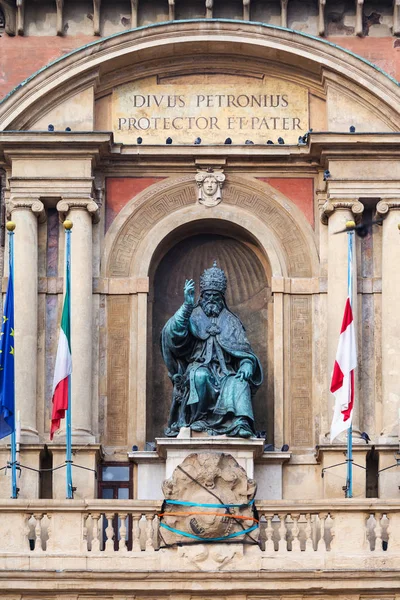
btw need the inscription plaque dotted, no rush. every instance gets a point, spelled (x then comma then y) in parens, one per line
(211, 108)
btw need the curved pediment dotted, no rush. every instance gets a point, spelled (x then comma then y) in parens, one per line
(78, 90)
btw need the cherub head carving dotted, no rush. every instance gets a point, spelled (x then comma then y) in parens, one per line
(209, 184)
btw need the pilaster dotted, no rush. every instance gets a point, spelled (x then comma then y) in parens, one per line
(81, 211)
(26, 212)
(389, 210)
(335, 214)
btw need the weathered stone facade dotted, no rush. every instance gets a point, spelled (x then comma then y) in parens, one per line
(220, 80)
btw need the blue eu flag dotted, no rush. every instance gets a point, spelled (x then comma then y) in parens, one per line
(7, 395)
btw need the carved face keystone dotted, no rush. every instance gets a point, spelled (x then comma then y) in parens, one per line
(210, 186)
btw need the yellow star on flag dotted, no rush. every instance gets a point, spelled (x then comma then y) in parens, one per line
(12, 332)
(12, 350)
(5, 319)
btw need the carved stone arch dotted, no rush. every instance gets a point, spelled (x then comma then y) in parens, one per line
(278, 225)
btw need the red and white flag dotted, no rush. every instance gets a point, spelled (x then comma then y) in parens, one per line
(342, 384)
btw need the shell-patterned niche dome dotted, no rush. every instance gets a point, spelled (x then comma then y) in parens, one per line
(190, 257)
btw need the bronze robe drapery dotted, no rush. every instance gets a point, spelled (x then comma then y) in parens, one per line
(191, 341)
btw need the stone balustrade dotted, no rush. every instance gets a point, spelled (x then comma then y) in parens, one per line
(318, 534)
(18, 18)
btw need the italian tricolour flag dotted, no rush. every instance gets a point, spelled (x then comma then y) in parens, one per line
(342, 384)
(62, 370)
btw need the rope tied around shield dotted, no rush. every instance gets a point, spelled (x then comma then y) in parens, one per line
(237, 518)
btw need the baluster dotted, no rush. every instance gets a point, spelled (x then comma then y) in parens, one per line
(122, 533)
(269, 533)
(28, 530)
(246, 10)
(378, 532)
(136, 533)
(321, 544)
(284, 21)
(295, 533)
(308, 531)
(109, 532)
(134, 13)
(282, 533)
(20, 16)
(96, 16)
(49, 543)
(331, 531)
(59, 17)
(209, 9)
(149, 533)
(387, 535)
(396, 17)
(321, 17)
(359, 17)
(171, 7)
(156, 531)
(95, 532)
(85, 540)
(38, 532)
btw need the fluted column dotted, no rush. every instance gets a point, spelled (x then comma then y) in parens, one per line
(335, 213)
(390, 210)
(25, 213)
(81, 212)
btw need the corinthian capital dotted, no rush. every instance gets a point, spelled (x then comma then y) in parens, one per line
(32, 204)
(354, 205)
(383, 206)
(68, 204)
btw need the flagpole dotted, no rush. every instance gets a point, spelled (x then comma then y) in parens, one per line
(14, 489)
(350, 241)
(69, 490)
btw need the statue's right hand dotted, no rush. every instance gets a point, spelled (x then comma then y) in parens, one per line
(188, 291)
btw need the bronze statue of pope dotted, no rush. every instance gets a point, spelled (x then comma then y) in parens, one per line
(210, 362)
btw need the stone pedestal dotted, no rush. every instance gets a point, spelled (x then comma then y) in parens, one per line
(175, 450)
(152, 468)
(334, 479)
(27, 478)
(83, 479)
(149, 475)
(389, 476)
(268, 473)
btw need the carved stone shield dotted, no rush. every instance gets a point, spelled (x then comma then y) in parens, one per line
(208, 498)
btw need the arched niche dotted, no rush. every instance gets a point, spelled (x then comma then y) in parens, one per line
(263, 221)
(184, 255)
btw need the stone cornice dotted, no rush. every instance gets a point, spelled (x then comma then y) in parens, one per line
(355, 206)
(33, 204)
(66, 204)
(47, 144)
(383, 206)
